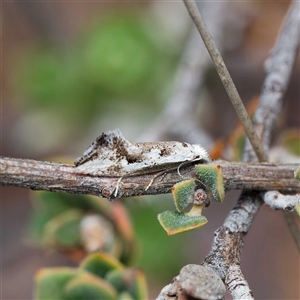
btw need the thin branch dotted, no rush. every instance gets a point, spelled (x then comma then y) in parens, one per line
(232, 233)
(229, 238)
(189, 95)
(56, 177)
(184, 101)
(226, 79)
(278, 67)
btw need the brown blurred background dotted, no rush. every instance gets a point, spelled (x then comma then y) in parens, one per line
(71, 70)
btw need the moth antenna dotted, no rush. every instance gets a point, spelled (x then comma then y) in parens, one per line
(187, 162)
(178, 168)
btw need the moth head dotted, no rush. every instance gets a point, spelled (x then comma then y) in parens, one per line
(202, 152)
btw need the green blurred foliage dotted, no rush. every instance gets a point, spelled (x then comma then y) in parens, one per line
(47, 207)
(49, 282)
(114, 60)
(89, 287)
(55, 223)
(81, 284)
(64, 229)
(100, 264)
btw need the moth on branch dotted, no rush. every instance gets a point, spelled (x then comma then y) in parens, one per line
(112, 167)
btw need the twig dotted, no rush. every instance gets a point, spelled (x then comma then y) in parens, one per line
(226, 80)
(278, 68)
(229, 239)
(183, 102)
(250, 201)
(188, 97)
(55, 177)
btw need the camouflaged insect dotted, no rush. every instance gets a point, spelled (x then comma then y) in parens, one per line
(112, 155)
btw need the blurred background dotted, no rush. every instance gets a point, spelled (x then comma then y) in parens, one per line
(72, 70)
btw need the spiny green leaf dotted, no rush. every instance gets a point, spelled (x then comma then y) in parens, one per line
(212, 178)
(183, 194)
(174, 222)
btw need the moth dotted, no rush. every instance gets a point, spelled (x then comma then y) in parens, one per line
(112, 155)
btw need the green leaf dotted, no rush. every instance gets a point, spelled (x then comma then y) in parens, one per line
(174, 222)
(212, 178)
(116, 279)
(100, 264)
(130, 280)
(89, 287)
(64, 229)
(50, 283)
(183, 194)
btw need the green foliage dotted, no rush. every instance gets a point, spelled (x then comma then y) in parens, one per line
(175, 222)
(89, 287)
(63, 230)
(47, 206)
(136, 285)
(150, 234)
(183, 194)
(212, 178)
(56, 223)
(130, 281)
(122, 58)
(50, 283)
(81, 284)
(116, 278)
(100, 264)
(115, 59)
